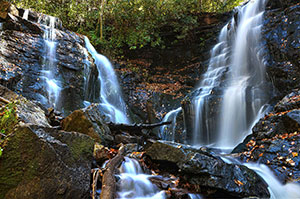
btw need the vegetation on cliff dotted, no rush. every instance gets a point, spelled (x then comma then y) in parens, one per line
(119, 24)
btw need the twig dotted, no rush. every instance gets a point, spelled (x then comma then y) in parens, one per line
(4, 100)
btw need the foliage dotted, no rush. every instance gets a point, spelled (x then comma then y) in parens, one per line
(128, 23)
(8, 119)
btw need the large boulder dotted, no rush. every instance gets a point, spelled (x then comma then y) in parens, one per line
(36, 160)
(275, 140)
(90, 121)
(205, 173)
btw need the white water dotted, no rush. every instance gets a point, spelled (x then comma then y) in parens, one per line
(53, 87)
(49, 63)
(134, 183)
(237, 67)
(167, 132)
(276, 189)
(195, 196)
(110, 92)
(25, 14)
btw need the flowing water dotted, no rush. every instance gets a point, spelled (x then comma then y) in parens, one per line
(53, 87)
(236, 68)
(110, 93)
(167, 132)
(25, 14)
(134, 183)
(277, 189)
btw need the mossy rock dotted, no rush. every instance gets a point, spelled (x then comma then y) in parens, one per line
(40, 162)
(89, 121)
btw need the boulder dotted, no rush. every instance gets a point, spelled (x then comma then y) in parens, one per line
(38, 161)
(207, 174)
(89, 121)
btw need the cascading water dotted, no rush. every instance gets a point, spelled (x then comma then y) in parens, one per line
(25, 14)
(49, 62)
(277, 190)
(168, 132)
(237, 68)
(110, 93)
(134, 183)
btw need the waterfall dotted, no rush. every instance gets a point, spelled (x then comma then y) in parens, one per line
(167, 132)
(276, 188)
(134, 183)
(53, 87)
(25, 14)
(236, 71)
(110, 93)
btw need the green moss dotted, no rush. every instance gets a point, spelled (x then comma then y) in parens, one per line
(8, 120)
(15, 165)
(80, 148)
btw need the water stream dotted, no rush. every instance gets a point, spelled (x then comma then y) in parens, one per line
(53, 87)
(236, 70)
(25, 14)
(110, 93)
(236, 74)
(134, 183)
(167, 132)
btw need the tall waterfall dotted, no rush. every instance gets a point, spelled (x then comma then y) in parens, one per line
(236, 67)
(110, 93)
(53, 87)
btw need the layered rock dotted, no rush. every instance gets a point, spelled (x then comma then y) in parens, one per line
(281, 36)
(39, 161)
(206, 173)
(21, 60)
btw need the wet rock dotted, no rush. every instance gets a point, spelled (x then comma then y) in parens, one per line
(280, 4)
(26, 111)
(164, 76)
(212, 176)
(100, 153)
(22, 65)
(275, 140)
(89, 121)
(281, 37)
(39, 161)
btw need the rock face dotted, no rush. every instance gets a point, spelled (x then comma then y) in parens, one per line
(21, 59)
(39, 161)
(155, 80)
(281, 32)
(89, 121)
(276, 140)
(206, 173)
